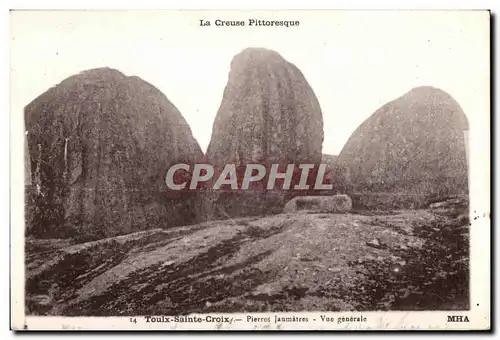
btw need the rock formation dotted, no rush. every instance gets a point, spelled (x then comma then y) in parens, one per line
(329, 160)
(100, 144)
(269, 115)
(413, 145)
(335, 174)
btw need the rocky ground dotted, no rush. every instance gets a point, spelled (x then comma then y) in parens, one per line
(400, 260)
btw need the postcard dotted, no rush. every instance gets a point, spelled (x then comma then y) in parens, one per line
(250, 170)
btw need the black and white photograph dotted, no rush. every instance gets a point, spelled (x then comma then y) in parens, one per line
(249, 170)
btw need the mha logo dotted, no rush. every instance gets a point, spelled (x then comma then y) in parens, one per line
(458, 318)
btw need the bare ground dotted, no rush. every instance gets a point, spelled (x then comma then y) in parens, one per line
(405, 260)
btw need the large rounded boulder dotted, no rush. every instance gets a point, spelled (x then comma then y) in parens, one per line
(100, 144)
(413, 146)
(269, 115)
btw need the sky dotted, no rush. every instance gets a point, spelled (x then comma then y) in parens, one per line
(355, 61)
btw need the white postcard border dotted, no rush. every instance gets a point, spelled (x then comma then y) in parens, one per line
(480, 292)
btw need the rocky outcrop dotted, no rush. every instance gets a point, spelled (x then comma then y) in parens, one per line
(413, 145)
(100, 144)
(269, 115)
(335, 175)
(413, 260)
(325, 204)
(329, 160)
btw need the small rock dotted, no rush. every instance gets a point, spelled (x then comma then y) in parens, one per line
(437, 205)
(41, 299)
(335, 269)
(396, 268)
(448, 203)
(375, 243)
